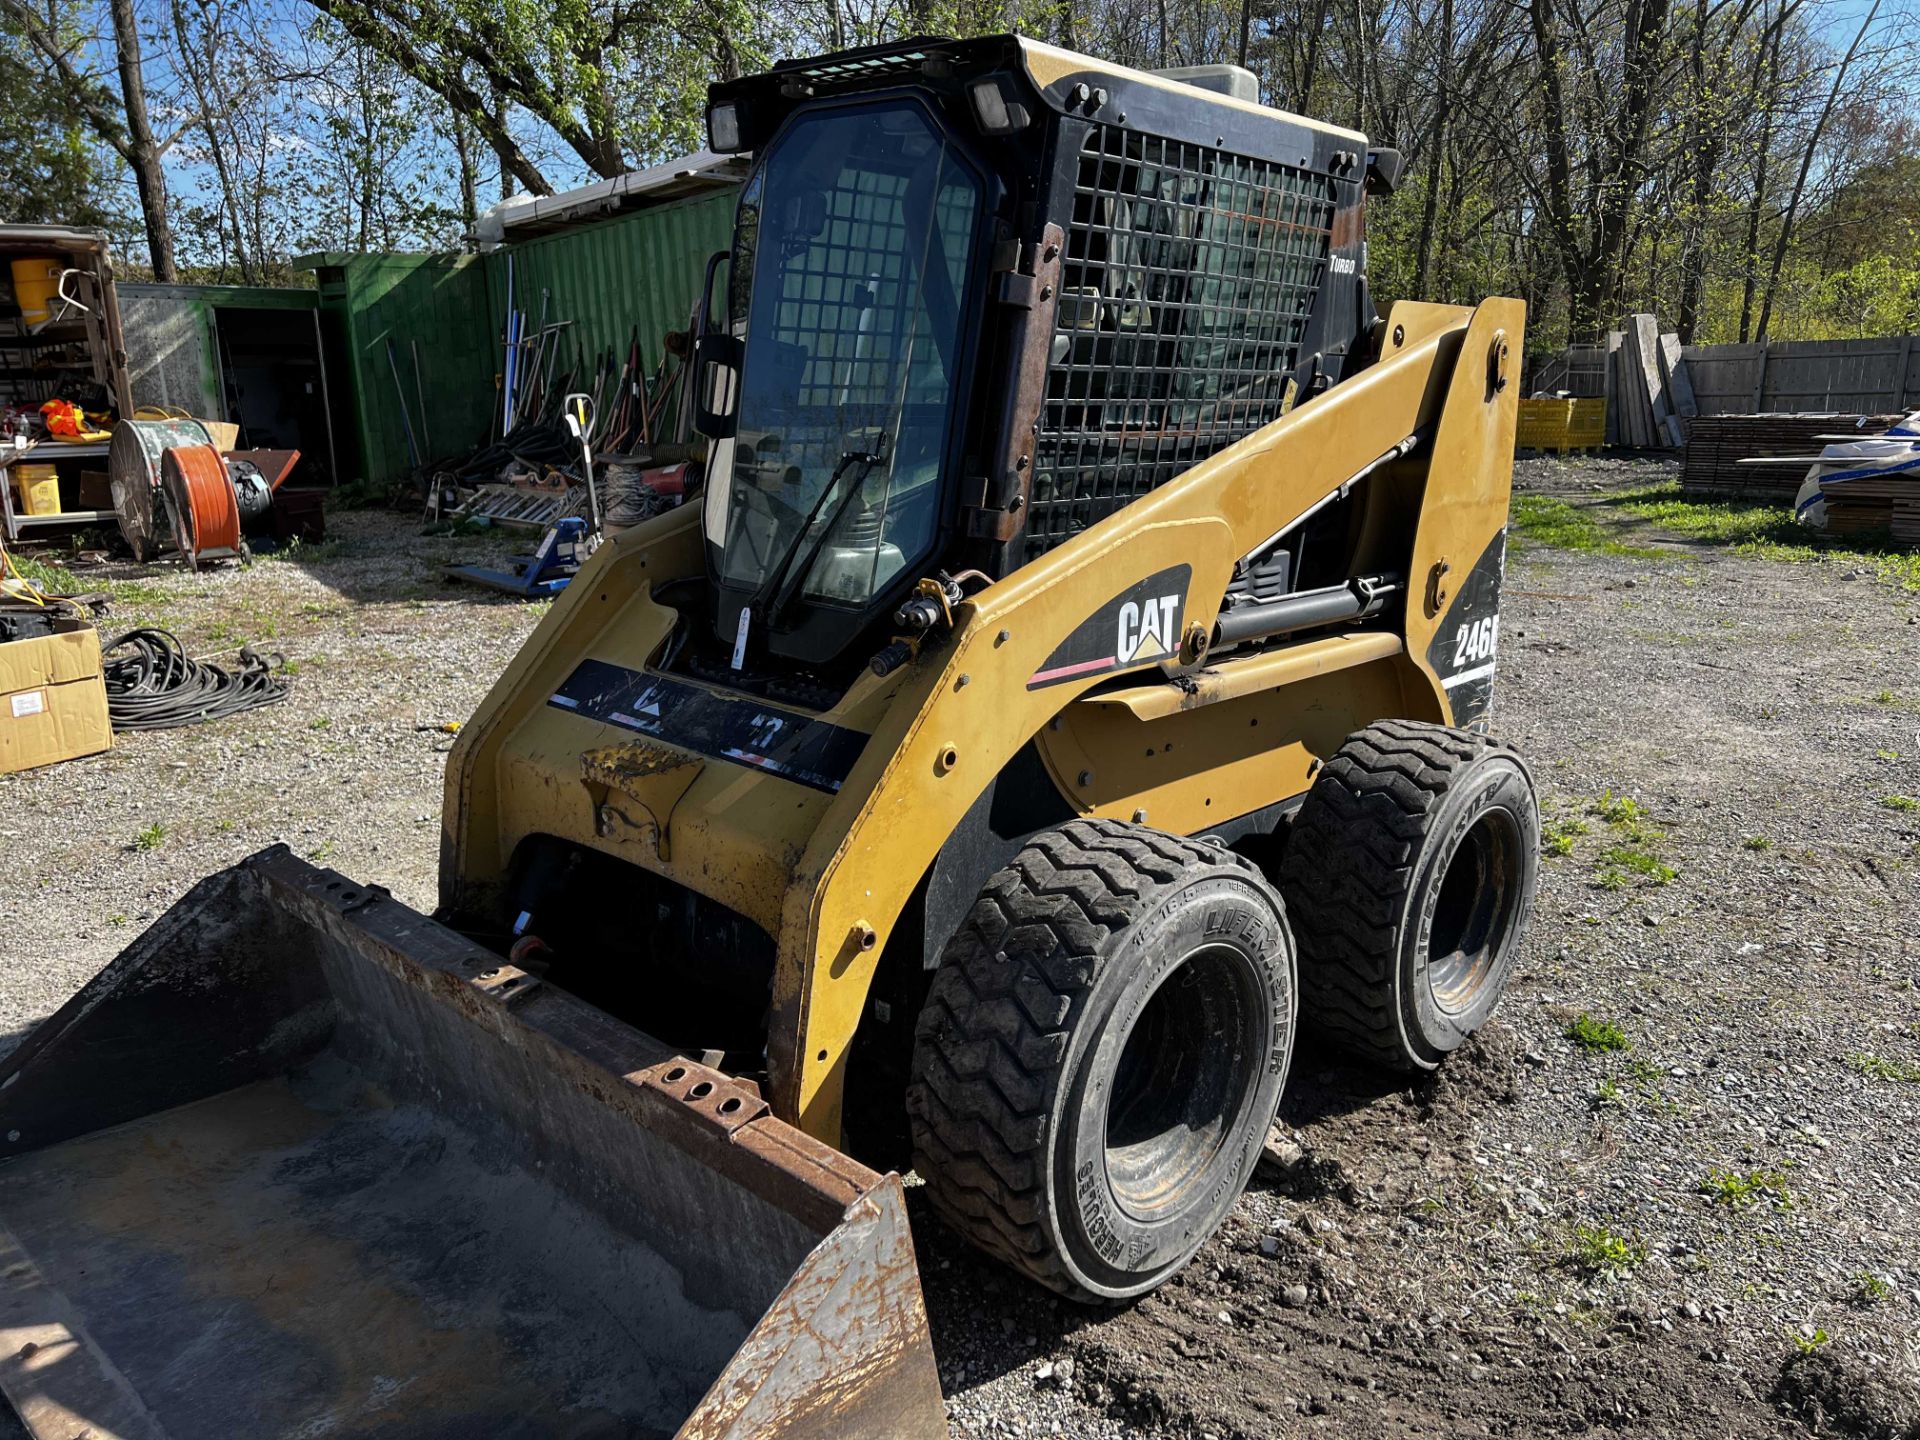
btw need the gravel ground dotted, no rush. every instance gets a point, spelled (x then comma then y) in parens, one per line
(1702, 1221)
(346, 771)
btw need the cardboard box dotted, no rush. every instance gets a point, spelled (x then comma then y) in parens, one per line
(53, 699)
(96, 491)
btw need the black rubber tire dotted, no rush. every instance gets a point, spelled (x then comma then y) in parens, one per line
(1413, 837)
(1100, 1055)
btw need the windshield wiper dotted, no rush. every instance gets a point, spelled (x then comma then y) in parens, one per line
(776, 591)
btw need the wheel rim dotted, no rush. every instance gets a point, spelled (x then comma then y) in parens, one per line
(1479, 895)
(1184, 1074)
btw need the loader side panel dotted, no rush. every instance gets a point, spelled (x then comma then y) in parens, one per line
(1459, 555)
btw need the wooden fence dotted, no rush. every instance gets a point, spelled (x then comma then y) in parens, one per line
(1862, 376)
(1867, 376)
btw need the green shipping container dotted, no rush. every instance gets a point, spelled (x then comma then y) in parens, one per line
(639, 271)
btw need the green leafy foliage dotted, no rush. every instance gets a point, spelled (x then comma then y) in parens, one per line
(1744, 1189)
(1597, 1036)
(1599, 1251)
(1622, 861)
(1550, 520)
(1765, 532)
(1557, 836)
(1878, 1067)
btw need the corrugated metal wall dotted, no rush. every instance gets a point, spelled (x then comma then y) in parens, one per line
(437, 303)
(633, 271)
(638, 270)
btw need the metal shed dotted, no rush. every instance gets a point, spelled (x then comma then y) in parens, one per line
(620, 258)
(250, 355)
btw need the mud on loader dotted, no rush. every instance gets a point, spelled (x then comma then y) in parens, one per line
(1072, 676)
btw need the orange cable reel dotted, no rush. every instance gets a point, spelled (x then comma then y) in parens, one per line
(200, 499)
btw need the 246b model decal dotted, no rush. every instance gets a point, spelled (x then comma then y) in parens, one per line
(1463, 648)
(1474, 643)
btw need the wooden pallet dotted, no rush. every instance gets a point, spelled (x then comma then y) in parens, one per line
(1876, 504)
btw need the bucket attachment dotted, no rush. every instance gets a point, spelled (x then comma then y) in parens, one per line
(304, 1162)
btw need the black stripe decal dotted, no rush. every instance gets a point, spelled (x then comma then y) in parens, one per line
(809, 752)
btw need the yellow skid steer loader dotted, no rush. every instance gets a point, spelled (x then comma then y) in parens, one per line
(1071, 676)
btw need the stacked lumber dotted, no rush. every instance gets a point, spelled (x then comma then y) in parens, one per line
(1716, 444)
(1650, 400)
(1875, 505)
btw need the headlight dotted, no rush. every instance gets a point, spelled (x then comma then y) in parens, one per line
(723, 129)
(996, 113)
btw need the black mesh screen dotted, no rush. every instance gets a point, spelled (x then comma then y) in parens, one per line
(1187, 284)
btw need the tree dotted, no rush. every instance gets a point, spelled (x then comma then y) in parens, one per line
(124, 126)
(1785, 236)
(582, 69)
(50, 169)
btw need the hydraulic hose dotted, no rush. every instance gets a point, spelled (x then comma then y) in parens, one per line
(152, 683)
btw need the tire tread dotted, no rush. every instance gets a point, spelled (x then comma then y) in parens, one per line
(1349, 869)
(996, 1027)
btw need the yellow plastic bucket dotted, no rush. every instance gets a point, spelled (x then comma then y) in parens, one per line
(36, 283)
(38, 489)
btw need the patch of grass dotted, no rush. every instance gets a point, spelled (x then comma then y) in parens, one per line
(319, 722)
(1637, 852)
(1625, 814)
(1905, 804)
(300, 552)
(116, 919)
(1890, 756)
(225, 827)
(1742, 1190)
(1869, 1288)
(1756, 843)
(1878, 1067)
(1608, 1095)
(1885, 697)
(137, 593)
(1768, 532)
(53, 579)
(152, 837)
(1597, 1037)
(1549, 520)
(1557, 836)
(1807, 1344)
(321, 853)
(1623, 860)
(1596, 1250)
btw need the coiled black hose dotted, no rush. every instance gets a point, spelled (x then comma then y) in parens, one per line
(152, 683)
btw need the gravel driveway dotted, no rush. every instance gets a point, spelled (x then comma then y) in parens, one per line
(346, 771)
(1671, 1190)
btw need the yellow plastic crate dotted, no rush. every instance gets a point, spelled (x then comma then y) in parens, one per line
(1562, 425)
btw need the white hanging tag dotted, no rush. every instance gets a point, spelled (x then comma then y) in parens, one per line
(740, 638)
